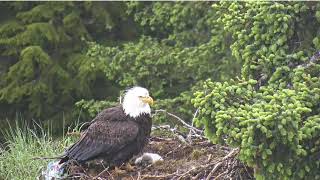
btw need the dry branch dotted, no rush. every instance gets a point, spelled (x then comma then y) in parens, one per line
(232, 154)
(180, 120)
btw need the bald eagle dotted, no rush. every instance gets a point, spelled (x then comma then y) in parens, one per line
(116, 134)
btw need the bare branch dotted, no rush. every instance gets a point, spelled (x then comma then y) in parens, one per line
(191, 130)
(103, 171)
(180, 120)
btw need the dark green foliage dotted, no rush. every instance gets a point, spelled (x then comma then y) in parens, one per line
(89, 109)
(47, 68)
(44, 69)
(164, 46)
(166, 70)
(272, 112)
(182, 24)
(178, 49)
(33, 79)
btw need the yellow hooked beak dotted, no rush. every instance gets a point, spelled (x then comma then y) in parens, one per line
(147, 99)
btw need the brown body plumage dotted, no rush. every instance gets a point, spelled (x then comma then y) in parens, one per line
(113, 136)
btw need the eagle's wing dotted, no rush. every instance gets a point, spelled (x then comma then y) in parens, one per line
(103, 137)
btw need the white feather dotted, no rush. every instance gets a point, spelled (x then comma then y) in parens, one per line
(133, 105)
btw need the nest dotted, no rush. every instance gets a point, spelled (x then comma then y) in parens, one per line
(197, 160)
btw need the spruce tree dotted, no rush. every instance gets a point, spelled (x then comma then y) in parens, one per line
(272, 111)
(45, 69)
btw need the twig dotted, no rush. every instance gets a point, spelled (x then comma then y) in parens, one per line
(213, 170)
(157, 177)
(199, 168)
(159, 139)
(180, 120)
(198, 175)
(148, 166)
(231, 154)
(245, 167)
(194, 116)
(218, 165)
(79, 176)
(105, 170)
(192, 169)
(221, 174)
(170, 152)
(160, 127)
(176, 133)
(139, 175)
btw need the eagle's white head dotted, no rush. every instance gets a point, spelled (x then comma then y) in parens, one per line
(137, 101)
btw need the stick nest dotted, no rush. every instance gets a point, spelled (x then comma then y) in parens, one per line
(199, 159)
